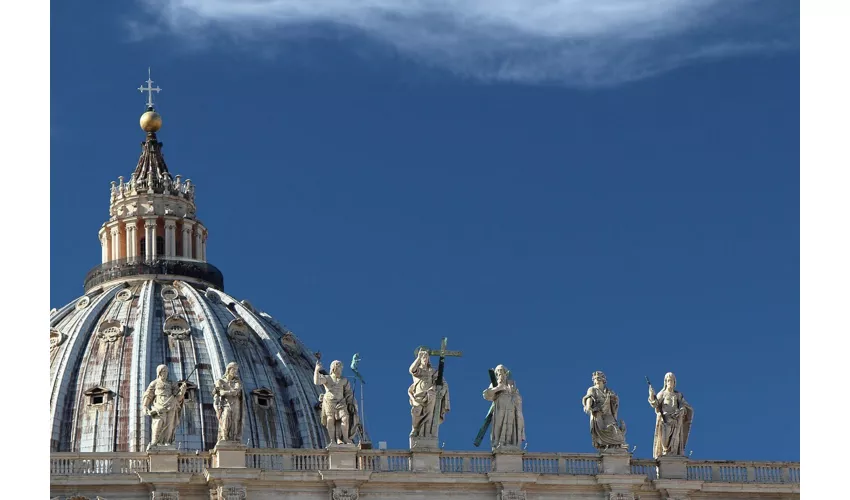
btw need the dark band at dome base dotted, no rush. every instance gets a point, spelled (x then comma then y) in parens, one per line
(140, 266)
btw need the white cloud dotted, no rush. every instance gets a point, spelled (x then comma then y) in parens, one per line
(578, 42)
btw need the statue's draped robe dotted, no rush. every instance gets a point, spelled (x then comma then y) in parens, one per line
(166, 402)
(671, 429)
(229, 404)
(508, 425)
(427, 400)
(604, 430)
(338, 400)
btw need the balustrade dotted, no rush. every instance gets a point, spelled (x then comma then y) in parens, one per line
(81, 464)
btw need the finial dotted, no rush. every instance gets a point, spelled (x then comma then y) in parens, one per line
(150, 120)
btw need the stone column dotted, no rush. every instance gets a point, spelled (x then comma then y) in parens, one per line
(150, 238)
(198, 241)
(170, 237)
(104, 247)
(187, 238)
(204, 247)
(115, 232)
(132, 241)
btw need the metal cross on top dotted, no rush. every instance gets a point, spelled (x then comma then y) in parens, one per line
(149, 89)
(442, 353)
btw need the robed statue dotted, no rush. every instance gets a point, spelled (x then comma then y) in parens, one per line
(339, 409)
(673, 417)
(508, 424)
(163, 402)
(602, 404)
(229, 404)
(428, 395)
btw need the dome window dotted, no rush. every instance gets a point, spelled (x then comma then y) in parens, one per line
(124, 295)
(110, 331)
(98, 396)
(169, 293)
(262, 397)
(83, 302)
(239, 332)
(247, 305)
(176, 327)
(56, 338)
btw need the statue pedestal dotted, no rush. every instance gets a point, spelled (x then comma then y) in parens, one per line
(673, 467)
(616, 461)
(162, 458)
(424, 454)
(424, 443)
(342, 456)
(229, 455)
(507, 460)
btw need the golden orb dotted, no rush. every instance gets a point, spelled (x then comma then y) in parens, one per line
(150, 121)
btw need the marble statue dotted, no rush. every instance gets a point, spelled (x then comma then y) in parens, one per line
(163, 401)
(429, 400)
(508, 424)
(602, 404)
(229, 404)
(673, 417)
(339, 410)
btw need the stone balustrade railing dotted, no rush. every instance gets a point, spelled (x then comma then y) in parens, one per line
(283, 460)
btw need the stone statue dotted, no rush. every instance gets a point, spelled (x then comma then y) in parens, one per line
(229, 404)
(163, 401)
(429, 400)
(339, 410)
(602, 404)
(673, 417)
(508, 424)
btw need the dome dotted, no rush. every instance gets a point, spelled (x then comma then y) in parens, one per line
(105, 347)
(155, 300)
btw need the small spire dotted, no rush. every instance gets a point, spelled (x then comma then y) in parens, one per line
(150, 89)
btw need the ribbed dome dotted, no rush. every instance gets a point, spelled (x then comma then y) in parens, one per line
(106, 345)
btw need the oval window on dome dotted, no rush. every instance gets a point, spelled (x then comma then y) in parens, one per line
(169, 293)
(176, 327)
(83, 302)
(212, 296)
(110, 331)
(239, 332)
(124, 295)
(56, 338)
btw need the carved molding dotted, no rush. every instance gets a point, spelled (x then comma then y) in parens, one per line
(232, 493)
(56, 338)
(176, 327)
(512, 494)
(239, 332)
(621, 496)
(345, 494)
(165, 495)
(110, 331)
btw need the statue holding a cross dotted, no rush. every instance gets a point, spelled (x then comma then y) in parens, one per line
(428, 395)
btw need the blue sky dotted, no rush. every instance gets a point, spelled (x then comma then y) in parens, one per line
(560, 191)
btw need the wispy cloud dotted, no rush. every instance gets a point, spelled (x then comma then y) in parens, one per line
(577, 42)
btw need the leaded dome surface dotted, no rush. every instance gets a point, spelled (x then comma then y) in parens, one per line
(105, 347)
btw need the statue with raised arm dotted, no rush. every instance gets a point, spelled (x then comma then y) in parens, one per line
(508, 424)
(602, 404)
(673, 417)
(229, 404)
(163, 402)
(339, 410)
(429, 400)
